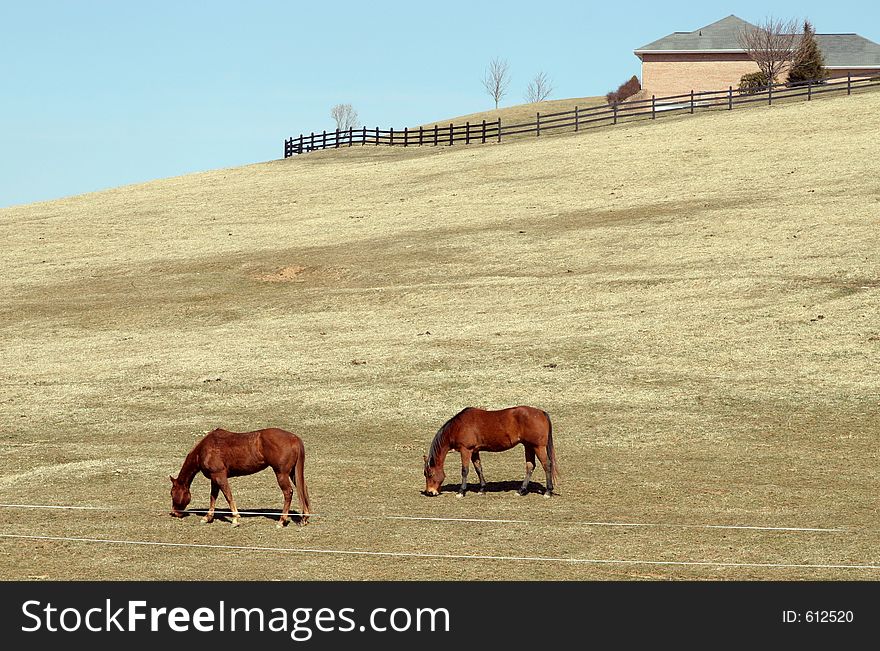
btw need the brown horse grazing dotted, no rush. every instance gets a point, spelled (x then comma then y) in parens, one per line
(474, 430)
(221, 454)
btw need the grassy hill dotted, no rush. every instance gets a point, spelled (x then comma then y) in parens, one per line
(523, 112)
(694, 302)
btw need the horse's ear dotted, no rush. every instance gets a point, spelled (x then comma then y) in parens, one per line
(425, 457)
(171, 477)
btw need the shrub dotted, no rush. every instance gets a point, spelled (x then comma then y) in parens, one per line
(753, 82)
(629, 89)
(624, 91)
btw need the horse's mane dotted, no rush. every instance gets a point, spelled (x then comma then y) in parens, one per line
(439, 437)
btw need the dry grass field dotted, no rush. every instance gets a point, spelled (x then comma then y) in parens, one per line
(694, 301)
(520, 113)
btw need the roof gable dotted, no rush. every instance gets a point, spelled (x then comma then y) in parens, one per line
(720, 35)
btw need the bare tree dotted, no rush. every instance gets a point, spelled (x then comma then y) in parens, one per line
(539, 88)
(771, 45)
(497, 79)
(345, 116)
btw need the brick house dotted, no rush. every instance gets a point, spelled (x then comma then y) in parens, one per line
(711, 58)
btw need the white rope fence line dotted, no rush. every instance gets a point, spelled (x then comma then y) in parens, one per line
(469, 557)
(225, 512)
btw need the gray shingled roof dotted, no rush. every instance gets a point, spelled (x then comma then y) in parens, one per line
(839, 50)
(843, 50)
(720, 35)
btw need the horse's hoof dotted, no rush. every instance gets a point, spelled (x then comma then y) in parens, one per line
(459, 495)
(481, 493)
(280, 525)
(207, 520)
(548, 495)
(236, 523)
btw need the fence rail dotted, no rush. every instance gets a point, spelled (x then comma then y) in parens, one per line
(483, 132)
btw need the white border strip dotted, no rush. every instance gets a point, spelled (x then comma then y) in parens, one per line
(439, 519)
(480, 557)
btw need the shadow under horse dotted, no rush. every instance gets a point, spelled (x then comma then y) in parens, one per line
(222, 454)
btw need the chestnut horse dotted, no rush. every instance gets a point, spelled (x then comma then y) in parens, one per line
(474, 430)
(222, 454)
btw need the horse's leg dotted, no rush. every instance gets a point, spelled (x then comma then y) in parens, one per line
(286, 488)
(227, 493)
(215, 490)
(478, 466)
(548, 471)
(465, 464)
(530, 467)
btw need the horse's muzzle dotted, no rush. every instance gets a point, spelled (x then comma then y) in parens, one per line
(430, 493)
(176, 514)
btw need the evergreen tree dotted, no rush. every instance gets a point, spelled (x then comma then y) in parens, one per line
(808, 64)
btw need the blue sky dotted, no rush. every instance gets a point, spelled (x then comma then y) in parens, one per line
(101, 94)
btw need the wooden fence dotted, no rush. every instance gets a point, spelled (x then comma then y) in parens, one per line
(482, 132)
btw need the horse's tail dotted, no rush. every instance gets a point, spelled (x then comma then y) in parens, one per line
(551, 451)
(302, 490)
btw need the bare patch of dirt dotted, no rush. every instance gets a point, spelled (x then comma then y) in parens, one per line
(287, 274)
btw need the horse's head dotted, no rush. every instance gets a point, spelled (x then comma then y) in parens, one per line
(180, 497)
(434, 477)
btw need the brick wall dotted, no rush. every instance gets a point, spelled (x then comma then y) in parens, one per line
(855, 72)
(674, 74)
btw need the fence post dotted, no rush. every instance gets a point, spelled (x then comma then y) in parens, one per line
(300, 144)
(377, 136)
(364, 136)
(849, 83)
(350, 134)
(391, 137)
(730, 98)
(312, 147)
(467, 133)
(809, 90)
(692, 101)
(769, 94)
(405, 136)
(576, 118)
(435, 135)
(653, 107)
(421, 139)
(499, 129)
(337, 137)
(451, 135)
(483, 141)
(614, 110)
(538, 125)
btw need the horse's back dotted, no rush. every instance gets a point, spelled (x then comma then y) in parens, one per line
(274, 434)
(501, 429)
(521, 415)
(249, 452)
